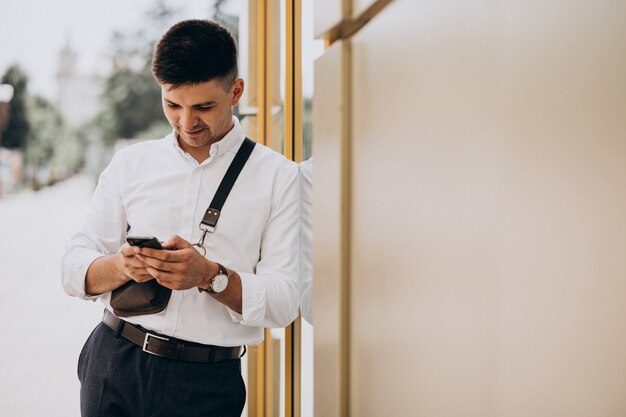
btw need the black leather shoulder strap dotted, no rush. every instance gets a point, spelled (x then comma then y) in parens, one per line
(212, 214)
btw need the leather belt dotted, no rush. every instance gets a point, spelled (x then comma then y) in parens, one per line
(168, 347)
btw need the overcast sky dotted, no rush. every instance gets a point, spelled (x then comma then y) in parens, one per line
(32, 32)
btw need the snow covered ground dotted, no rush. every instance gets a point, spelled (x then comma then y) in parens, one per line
(41, 328)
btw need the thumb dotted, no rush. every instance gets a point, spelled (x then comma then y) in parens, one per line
(176, 242)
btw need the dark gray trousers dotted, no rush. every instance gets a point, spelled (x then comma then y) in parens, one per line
(118, 379)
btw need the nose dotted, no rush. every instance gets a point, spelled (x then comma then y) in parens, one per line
(188, 120)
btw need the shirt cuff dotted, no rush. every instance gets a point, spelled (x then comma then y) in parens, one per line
(76, 272)
(253, 302)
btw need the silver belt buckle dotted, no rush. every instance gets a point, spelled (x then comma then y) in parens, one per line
(146, 340)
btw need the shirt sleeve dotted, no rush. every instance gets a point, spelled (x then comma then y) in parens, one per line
(306, 239)
(101, 234)
(270, 295)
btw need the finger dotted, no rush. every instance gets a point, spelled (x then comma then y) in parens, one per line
(138, 269)
(176, 242)
(133, 262)
(161, 254)
(174, 256)
(161, 265)
(128, 250)
(142, 278)
(161, 276)
(137, 272)
(169, 280)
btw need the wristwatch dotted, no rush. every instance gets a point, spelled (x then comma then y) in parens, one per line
(219, 282)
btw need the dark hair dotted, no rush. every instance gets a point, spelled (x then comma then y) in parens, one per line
(193, 52)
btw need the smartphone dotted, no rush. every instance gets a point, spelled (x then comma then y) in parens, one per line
(144, 242)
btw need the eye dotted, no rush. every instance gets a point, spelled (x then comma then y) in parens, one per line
(172, 105)
(205, 108)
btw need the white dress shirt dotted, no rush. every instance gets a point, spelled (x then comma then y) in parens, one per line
(160, 190)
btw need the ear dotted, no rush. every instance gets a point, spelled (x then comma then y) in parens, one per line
(237, 91)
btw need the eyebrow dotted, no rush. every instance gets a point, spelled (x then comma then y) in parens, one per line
(206, 103)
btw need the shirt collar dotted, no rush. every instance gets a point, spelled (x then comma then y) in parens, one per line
(232, 138)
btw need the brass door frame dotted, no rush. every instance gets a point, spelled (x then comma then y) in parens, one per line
(263, 378)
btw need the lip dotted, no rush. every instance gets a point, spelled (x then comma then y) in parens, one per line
(193, 132)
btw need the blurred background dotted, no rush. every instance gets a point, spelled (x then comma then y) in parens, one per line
(75, 86)
(468, 208)
(80, 79)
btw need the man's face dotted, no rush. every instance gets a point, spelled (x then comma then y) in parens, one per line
(201, 114)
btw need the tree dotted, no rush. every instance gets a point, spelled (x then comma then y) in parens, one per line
(132, 99)
(47, 127)
(15, 134)
(54, 150)
(230, 22)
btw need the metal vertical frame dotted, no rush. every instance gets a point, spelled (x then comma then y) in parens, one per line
(261, 68)
(293, 150)
(263, 381)
(257, 354)
(346, 228)
(293, 81)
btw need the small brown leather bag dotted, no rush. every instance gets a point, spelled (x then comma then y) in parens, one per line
(134, 298)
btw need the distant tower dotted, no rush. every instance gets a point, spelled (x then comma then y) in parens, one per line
(67, 62)
(78, 94)
(65, 76)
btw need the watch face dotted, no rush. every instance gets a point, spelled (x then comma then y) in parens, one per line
(220, 283)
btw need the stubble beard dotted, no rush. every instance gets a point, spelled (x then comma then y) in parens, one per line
(204, 139)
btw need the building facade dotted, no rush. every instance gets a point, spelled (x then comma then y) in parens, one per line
(469, 227)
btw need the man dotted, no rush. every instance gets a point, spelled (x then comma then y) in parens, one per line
(162, 188)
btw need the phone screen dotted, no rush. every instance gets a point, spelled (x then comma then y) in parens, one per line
(144, 242)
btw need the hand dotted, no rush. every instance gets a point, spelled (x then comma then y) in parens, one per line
(179, 269)
(131, 266)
